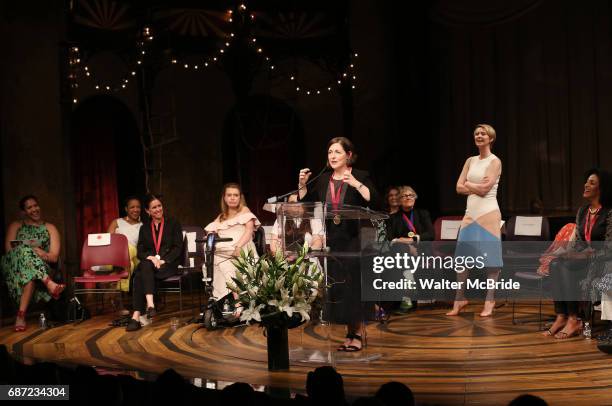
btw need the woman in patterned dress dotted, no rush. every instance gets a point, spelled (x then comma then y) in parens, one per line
(31, 245)
(480, 233)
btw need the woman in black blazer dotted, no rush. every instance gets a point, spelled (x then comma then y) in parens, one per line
(343, 185)
(409, 224)
(160, 244)
(407, 227)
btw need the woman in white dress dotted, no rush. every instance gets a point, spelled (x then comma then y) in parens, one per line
(237, 222)
(130, 227)
(480, 228)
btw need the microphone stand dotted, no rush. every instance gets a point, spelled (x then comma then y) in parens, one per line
(275, 199)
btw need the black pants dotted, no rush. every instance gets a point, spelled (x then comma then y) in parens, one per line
(566, 275)
(145, 280)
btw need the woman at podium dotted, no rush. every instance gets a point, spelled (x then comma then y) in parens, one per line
(342, 184)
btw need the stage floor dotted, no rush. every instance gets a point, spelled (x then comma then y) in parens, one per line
(445, 360)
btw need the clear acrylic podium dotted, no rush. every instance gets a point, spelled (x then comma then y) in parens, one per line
(307, 221)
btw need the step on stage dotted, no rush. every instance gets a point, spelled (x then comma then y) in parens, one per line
(444, 360)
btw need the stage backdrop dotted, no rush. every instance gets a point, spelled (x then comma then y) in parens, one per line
(541, 73)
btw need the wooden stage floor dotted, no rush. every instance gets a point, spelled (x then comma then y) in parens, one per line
(462, 360)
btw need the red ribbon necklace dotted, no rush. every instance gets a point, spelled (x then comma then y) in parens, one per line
(335, 197)
(156, 241)
(589, 223)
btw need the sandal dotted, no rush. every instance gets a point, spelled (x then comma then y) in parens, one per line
(19, 327)
(57, 290)
(343, 346)
(354, 348)
(564, 335)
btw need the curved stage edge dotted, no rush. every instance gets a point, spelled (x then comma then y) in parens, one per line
(444, 360)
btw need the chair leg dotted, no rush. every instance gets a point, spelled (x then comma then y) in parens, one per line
(180, 296)
(190, 278)
(540, 307)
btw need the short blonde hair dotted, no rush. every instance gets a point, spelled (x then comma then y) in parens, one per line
(406, 189)
(488, 129)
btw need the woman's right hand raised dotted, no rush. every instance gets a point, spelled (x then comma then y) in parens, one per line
(304, 176)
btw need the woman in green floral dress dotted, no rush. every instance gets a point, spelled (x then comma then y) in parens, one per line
(31, 245)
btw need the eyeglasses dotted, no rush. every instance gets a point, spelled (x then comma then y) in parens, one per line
(409, 196)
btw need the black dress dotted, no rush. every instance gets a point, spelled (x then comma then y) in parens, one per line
(344, 273)
(397, 227)
(145, 274)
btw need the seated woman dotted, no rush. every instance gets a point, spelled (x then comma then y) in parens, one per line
(130, 227)
(593, 223)
(409, 226)
(298, 232)
(160, 245)
(238, 223)
(31, 245)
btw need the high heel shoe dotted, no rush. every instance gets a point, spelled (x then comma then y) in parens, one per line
(19, 327)
(57, 290)
(363, 339)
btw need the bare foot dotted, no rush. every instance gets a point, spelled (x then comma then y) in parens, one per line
(489, 308)
(458, 305)
(557, 325)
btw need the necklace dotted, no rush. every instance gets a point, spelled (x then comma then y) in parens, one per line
(593, 210)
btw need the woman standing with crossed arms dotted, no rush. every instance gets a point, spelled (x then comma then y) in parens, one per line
(481, 223)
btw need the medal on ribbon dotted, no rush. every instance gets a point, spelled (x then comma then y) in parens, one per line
(157, 239)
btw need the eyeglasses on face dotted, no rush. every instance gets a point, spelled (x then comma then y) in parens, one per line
(409, 196)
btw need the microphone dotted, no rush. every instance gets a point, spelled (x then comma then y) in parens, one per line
(275, 199)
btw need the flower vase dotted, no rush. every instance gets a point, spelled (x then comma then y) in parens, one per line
(278, 346)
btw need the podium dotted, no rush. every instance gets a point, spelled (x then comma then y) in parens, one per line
(312, 222)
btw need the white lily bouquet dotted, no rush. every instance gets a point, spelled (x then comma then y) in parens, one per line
(273, 289)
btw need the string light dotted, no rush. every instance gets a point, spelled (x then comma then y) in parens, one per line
(347, 77)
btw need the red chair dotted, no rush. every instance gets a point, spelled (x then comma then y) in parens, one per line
(115, 254)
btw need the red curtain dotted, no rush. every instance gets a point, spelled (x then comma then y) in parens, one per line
(95, 174)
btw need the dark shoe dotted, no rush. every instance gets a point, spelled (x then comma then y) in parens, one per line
(606, 336)
(151, 312)
(354, 348)
(343, 346)
(133, 325)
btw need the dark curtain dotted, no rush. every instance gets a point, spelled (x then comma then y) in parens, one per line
(93, 134)
(540, 72)
(263, 149)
